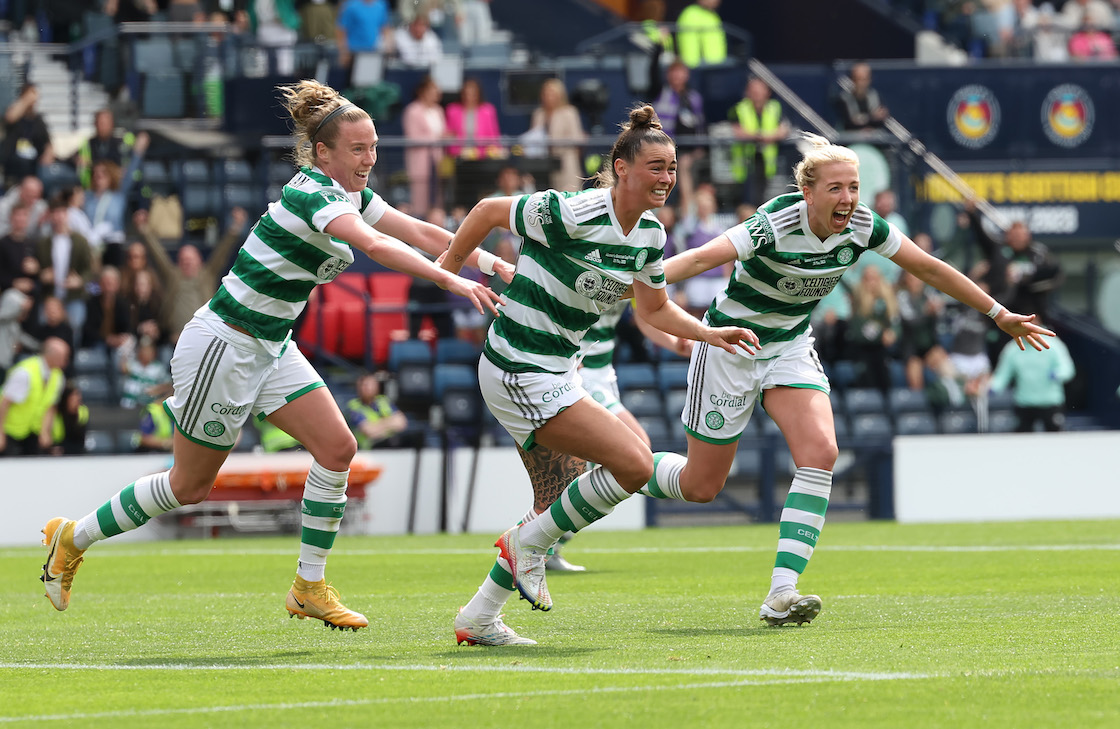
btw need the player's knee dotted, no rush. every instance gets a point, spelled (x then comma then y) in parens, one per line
(701, 489)
(339, 452)
(821, 453)
(190, 490)
(633, 467)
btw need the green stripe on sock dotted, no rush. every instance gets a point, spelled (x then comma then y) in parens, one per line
(317, 538)
(132, 506)
(501, 576)
(806, 502)
(586, 510)
(652, 485)
(324, 509)
(560, 516)
(791, 561)
(107, 521)
(800, 532)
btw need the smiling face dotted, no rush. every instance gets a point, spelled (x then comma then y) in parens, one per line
(832, 198)
(351, 156)
(646, 182)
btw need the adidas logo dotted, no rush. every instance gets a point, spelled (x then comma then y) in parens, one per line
(593, 256)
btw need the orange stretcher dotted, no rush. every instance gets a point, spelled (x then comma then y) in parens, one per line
(264, 482)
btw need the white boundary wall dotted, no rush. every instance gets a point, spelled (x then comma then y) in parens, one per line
(35, 489)
(971, 478)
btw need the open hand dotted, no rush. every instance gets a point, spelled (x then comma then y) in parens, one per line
(1022, 327)
(729, 338)
(481, 295)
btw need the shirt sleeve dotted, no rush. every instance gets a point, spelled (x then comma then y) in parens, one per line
(317, 208)
(533, 215)
(748, 235)
(886, 238)
(373, 206)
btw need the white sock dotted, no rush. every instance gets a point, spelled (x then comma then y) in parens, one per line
(801, 523)
(588, 499)
(131, 507)
(324, 503)
(666, 480)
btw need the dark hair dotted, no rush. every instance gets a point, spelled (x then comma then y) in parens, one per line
(643, 127)
(310, 103)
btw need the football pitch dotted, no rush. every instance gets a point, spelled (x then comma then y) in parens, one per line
(923, 626)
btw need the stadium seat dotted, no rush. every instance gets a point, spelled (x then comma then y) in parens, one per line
(243, 196)
(389, 297)
(155, 175)
(674, 404)
(163, 95)
(411, 361)
(871, 425)
(411, 351)
(196, 171)
(456, 351)
(859, 400)
(57, 176)
(1002, 421)
(96, 389)
(841, 374)
(200, 200)
(1001, 400)
(643, 403)
(916, 423)
(450, 376)
(279, 172)
(672, 376)
(657, 430)
(91, 360)
(904, 400)
(765, 424)
(462, 407)
(153, 55)
(319, 326)
(636, 375)
(100, 442)
(236, 170)
(348, 292)
(840, 425)
(958, 421)
(127, 440)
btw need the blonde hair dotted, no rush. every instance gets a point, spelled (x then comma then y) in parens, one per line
(864, 297)
(817, 151)
(309, 103)
(642, 127)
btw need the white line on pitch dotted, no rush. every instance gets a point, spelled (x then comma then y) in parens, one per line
(341, 703)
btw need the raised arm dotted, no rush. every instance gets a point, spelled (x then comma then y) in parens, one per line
(489, 213)
(949, 280)
(400, 257)
(434, 240)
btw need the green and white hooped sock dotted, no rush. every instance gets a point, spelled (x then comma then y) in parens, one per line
(324, 503)
(801, 524)
(131, 507)
(665, 483)
(588, 499)
(495, 590)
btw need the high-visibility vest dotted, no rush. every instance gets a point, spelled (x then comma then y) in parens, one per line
(58, 429)
(742, 154)
(160, 419)
(700, 37)
(273, 439)
(25, 418)
(381, 408)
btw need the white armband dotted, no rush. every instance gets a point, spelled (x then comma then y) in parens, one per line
(995, 310)
(486, 261)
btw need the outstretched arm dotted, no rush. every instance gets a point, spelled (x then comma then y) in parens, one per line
(654, 306)
(489, 213)
(434, 240)
(400, 257)
(949, 280)
(695, 261)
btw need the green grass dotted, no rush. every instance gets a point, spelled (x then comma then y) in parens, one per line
(1012, 625)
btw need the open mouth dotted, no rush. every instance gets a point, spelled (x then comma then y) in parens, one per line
(840, 218)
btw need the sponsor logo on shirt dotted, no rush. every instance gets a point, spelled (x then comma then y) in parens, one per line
(594, 256)
(330, 268)
(809, 288)
(599, 288)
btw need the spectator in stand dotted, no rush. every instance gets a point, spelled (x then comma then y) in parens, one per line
(65, 263)
(107, 313)
(886, 204)
(1021, 272)
(1050, 40)
(29, 400)
(373, 418)
(14, 309)
(157, 432)
(49, 322)
(68, 432)
(424, 121)
(477, 26)
(698, 226)
(28, 194)
(75, 199)
(760, 124)
(830, 324)
(1090, 43)
(417, 45)
(859, 108)
(144, 305)
(1039, 382)
(681, 110)
(921, 309)
(1075, 13)
(18, 266)
(318, 19)
(187, 284)
(363, 26)
(873, 329)
(560, 121)
(701, 40)
(993, 25)
(144, 378)
(471, 118)
(27, 142)
(135, 261)
(107, 201)
(107, 143)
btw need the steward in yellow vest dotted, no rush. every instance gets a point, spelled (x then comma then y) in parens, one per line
(761, 132)
(30, 400)
(156, 430)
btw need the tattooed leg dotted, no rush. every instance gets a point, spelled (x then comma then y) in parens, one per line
(550, 473)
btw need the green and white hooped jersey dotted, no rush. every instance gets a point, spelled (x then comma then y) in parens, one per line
(597, 349)
(784, 270)
(574, 265)
(287, 255)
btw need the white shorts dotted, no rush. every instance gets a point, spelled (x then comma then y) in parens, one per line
(723, 387)
(971, 366)
(601, 384)
(525, 401)
(222, 376)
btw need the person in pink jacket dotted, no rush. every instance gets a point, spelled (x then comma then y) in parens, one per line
(424, 121)
(471, 118)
